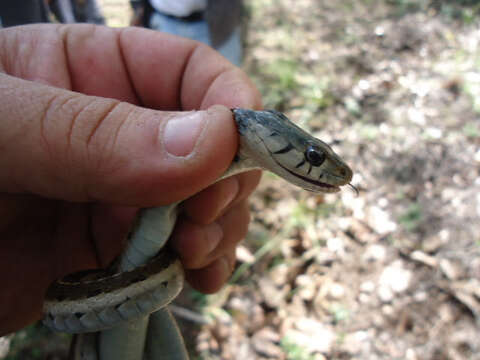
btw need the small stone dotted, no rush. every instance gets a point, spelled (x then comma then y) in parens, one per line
(420, 296)
(265, 342)
(478, 204)
(336, 245)
(423, 258)
(379, 31)
(375, 252)
(4, 346)
(246, 312)
(244, 255)
(336, 291)
(410, 354)
(367, 286)
(353, 343)
(416, 116)
(433, 132)
(432, 244)
(273, 295)
(279, 274)
(364, 298)
(306, 287)
(312, 335)
(395, 277)
(385, 293)
(477, 156)
(388, 310)
(450, 270)
(380, 221)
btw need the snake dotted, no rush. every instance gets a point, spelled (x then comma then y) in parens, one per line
(129, 288)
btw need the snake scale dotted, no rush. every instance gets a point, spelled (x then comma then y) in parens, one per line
(128, 289)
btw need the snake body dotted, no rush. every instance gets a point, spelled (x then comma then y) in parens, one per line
(137, 285)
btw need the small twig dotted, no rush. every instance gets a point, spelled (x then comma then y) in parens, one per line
(189, 315)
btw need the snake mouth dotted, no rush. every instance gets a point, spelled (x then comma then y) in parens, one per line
(324, 186)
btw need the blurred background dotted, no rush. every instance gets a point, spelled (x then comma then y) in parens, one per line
(393, 273)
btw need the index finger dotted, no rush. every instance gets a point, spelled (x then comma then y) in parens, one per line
(139, 66)
(162, 71)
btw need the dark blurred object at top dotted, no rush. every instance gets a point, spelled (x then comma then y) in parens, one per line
(19, 12)
(214, 22)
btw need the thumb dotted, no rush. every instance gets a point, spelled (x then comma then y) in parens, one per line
(61, 144)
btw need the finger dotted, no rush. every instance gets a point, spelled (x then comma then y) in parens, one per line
(200, 245)
(83, 58)
(84, 148)
(206, 206)
(211, 278)
(235, 227)
(194, 243)
(248, 183)
(110, 226)
(209, 204)
(139, 66)
(200, 76)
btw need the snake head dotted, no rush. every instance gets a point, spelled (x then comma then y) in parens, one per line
(271, 140)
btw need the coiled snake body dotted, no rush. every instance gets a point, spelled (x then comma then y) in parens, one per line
(139, 284)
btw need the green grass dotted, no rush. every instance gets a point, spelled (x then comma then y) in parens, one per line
(260, 253)
(37, 342)
(283, 73)
(367, 132)
(471, 130)
(412, 217)
(472, 88)
(340, 313)
(281, 79)
(465, 11)
(317, 96)
(403, 7)
(294, 351)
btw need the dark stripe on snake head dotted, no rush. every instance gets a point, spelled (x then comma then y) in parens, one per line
(79, 314)
(300, 164)
(285, 149)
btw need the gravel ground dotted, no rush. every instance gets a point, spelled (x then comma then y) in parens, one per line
(393, 273)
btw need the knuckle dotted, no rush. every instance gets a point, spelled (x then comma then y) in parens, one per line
(80, 133)
(236, 222)
(248, 182)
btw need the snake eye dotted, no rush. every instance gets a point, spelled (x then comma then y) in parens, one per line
(314, 156)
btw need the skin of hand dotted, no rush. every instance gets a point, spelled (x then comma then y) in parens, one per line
(97, 122)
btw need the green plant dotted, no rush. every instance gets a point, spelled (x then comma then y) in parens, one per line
(283, 71)
(37, 342)
(471, 130)
(198, 298)
(295, 351)
(261, 252)
(340, 313)
(318, 95)
(406, 6)
(353, 107)
(412, 217)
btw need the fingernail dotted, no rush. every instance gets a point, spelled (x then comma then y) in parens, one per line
(214, 235)
(182, 132)
(231, 195)
(225, 266)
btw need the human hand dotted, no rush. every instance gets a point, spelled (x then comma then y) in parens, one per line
(75, 168)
